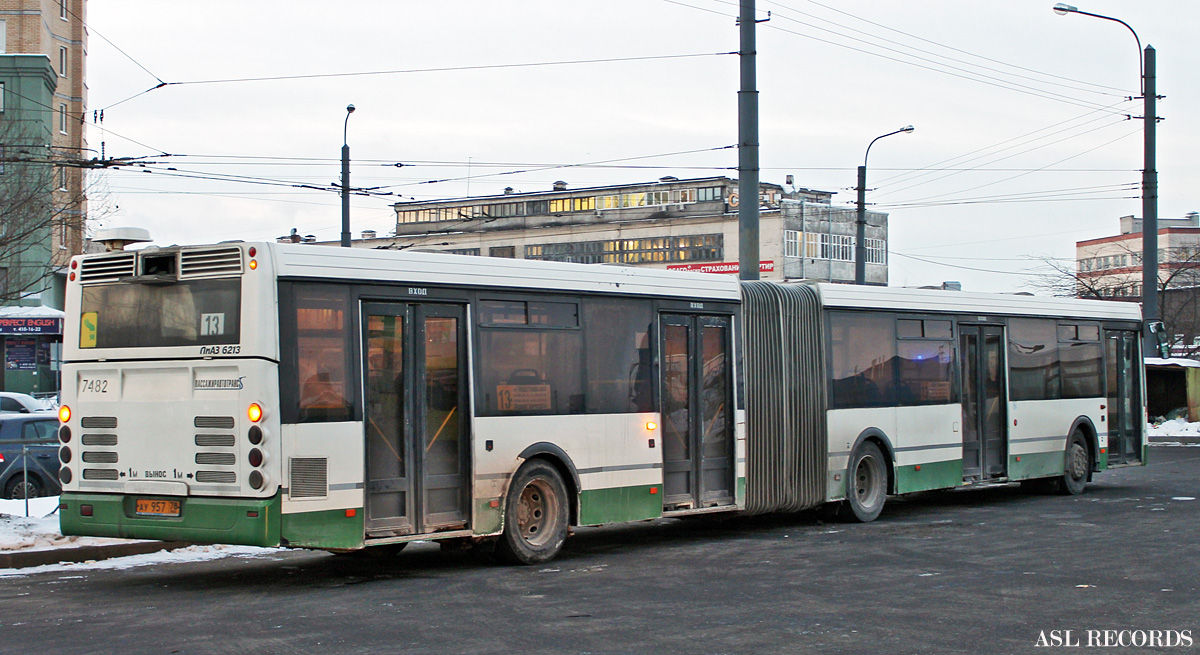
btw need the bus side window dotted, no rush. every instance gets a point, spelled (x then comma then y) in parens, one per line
(323, 347)
(619, 359)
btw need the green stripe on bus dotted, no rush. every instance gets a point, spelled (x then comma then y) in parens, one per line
(488, 519)
(201, 520)
(616, 504)
(1102, 460)
(1036, 465)
(323, 529)
(933, 475)
(739, 496)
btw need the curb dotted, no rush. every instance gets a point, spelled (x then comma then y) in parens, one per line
(1165, 440)
(25, 559)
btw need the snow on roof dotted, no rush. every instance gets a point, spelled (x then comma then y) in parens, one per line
(1174, 361)
(31, 312)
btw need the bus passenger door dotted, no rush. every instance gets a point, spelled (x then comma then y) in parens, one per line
(1124, 397)
(697, 412)
(415, 429)
(985, 452)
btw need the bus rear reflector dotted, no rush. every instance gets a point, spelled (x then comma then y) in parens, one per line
(85, 510)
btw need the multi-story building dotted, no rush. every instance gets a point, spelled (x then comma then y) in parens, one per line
(1111, 267)
(672, 223)
(43, 44)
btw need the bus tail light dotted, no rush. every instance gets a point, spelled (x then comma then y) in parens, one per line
(64, 475)
(255, 435)
(254, 412)
(64, 414)
(64, 455)
(64, 434)
(651, 426)
(257, 479)
(256, 457)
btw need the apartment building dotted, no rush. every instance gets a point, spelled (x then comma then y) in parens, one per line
(672, 223)
(43, 98)
(1111, 267)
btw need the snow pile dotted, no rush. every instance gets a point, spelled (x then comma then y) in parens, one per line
(178, 556)
(1176, 427)
(38, 531)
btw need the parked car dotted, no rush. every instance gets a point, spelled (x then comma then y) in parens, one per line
(29, 455)
(12, 402)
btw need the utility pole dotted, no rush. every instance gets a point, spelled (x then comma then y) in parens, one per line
(1149, 204)
(747, 147)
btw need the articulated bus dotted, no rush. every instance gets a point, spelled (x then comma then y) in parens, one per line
(340, 399)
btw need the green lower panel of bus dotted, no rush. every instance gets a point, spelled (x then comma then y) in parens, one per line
(1035, 465)
(335, 529)
(1102, 460)
(933, 475)
(200, 520)
(618, 504)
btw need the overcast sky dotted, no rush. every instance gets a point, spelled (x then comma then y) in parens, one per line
(1021, 148)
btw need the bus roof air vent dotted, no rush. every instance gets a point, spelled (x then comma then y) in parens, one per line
(210, 262)
(106, 268)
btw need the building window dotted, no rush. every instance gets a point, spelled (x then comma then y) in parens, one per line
(1, 83)
(709, 193)
(62, 61)
(707, 247)
(686, 195)
(876, 251)
(62, 119)
(62, 178)
(3, 38)
(462, 251)
(506, 252)
(791, 243)
(62, 9)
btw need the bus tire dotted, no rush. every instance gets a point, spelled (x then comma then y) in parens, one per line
(536, 515)
(866, 483)
(1078, 463)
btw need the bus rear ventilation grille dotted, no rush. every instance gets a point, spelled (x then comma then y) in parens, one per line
(210, 263)
(107, 268)
(99, 457)
(98, 421)
(100, 474)
(216, 459)
(99, 439)
(220, 422)
(219, 440)
(310, 477)
(223, 477)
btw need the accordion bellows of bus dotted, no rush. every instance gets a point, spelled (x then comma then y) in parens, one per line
(340, 399)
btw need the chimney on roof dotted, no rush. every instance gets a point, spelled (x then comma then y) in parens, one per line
(560, 186)
(508, 191)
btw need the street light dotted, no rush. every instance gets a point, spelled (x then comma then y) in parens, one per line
(346, 180)
(860, 244)
(1149, 177)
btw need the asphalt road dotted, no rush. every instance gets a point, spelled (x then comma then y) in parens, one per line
(989, 570)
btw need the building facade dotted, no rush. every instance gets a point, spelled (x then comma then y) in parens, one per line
(1111, 267)
(689, 224)
(43, 100)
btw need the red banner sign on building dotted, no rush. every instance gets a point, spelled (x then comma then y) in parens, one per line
(721, 267)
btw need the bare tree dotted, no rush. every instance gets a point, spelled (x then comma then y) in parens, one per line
(1118, 276)
(42, 215)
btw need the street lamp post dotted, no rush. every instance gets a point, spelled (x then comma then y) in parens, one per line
(346, 180)
(860, 243)
(1149, 178)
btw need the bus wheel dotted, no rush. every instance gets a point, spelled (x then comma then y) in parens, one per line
(867, 481)
(1078, 462)
(536, 517)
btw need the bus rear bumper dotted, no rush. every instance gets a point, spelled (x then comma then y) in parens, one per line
(243, 521)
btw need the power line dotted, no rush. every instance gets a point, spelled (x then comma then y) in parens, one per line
(965, 268)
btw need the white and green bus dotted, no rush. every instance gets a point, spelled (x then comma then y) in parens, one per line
(340, 399)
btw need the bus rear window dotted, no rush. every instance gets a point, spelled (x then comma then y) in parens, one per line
(184, 313)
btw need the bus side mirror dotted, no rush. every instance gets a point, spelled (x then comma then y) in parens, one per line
(1159, 331)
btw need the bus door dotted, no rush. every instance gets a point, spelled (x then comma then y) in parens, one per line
(697, 411)
(416, 431)
(985, 424)
(1124, 397)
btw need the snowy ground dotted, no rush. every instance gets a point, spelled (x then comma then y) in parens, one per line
(39, 531)
(1175, 428)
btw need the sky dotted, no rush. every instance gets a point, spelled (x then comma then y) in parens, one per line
(1022, 144)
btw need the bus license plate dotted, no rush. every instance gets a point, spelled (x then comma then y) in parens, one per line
(147, 507)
